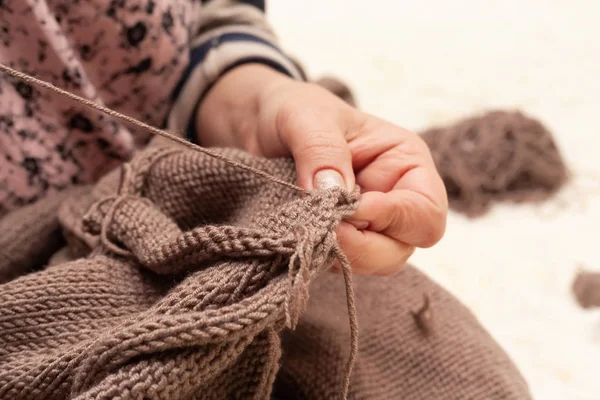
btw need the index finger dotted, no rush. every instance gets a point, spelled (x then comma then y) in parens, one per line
(413, 212)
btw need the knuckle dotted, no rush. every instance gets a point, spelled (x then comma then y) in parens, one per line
(420, 144)
(436, 229)
(403, 259)
(420, 148)
(396, 222)
(408, 254)
(410, 143)
(428, 221)
(398, 263)
(356, 253)
(356, 256)
(318, 144)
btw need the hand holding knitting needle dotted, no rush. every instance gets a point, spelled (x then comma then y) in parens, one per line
(403, 202)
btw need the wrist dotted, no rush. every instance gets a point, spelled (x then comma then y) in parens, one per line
(229, 115)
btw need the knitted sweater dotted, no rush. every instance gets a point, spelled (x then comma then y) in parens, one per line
(186, 278)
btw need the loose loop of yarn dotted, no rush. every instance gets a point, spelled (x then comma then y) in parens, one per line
(298, 269)
(353, 318)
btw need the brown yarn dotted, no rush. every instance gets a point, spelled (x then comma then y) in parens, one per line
(424, 316)
(346, 267)
(457, 360)
(586, 288)
(495, 157)
(244, 233)
(185, 274)
(222, 295)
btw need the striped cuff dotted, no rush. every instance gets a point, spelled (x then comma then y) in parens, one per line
(212, 58)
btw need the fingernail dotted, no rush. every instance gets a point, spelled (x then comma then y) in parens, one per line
(327, 179)
(360, 225)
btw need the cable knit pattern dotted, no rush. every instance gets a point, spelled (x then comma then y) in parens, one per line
(187, 274)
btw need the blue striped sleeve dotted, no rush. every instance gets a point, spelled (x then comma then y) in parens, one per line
(212, 58)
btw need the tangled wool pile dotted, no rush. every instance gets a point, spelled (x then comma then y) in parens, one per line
(496, 156)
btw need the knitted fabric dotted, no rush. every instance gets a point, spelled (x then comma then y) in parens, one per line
(30, 235)
(493, 157)
(455, 359)
(190, 279)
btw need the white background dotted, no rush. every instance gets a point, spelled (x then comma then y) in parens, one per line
(425, 62)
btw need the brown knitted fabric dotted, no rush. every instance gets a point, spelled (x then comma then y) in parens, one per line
(30, 236)
(189, 271)
(194, 269)
(586, 288)
(456, 359)
(496, 156)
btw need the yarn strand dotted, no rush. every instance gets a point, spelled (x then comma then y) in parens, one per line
(156, 131)
(352, 318)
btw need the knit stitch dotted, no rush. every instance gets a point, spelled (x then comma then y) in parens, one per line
(191, 279)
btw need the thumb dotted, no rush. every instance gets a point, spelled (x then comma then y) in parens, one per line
(322, 156)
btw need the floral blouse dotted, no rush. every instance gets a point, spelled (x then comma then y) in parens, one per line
(150, 59)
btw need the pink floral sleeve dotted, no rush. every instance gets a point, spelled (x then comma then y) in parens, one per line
(130, 55)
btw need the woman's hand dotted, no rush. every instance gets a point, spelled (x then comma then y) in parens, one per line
(403, 204)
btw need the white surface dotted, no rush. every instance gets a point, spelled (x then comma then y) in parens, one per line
(419, 63)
